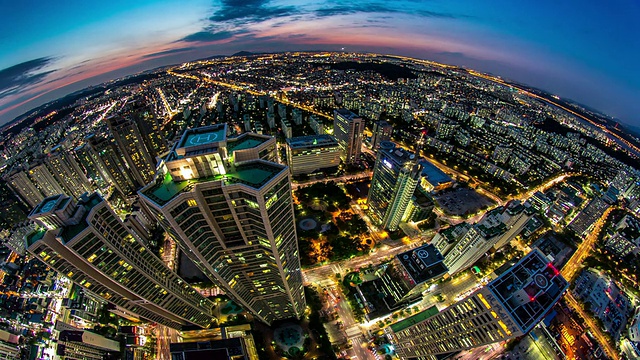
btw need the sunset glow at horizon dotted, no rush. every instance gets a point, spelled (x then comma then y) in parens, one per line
(579, 50)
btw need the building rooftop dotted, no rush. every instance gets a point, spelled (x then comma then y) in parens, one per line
(529, 289)
(345, 113)
(423, 263)
(434, 175)
(389, 150)
(415, 319)
(254, 174)
(312, 141)
(47, 205)
(32, 237)
(245, 141)
(203, 136)
(70, 231)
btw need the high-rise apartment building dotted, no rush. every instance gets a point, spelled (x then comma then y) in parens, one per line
(129, 140)
(347, 129)
(44, 180)
(310, 154)
(67, 172)
(233, 218)
(395, 177)
(22, 185)
(89, 244)
(104, 156)
(144, 117)
(509, 306)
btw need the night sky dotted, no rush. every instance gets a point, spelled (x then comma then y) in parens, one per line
(582, 50)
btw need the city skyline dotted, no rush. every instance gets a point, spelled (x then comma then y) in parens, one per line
(346, 198)
(57, 49)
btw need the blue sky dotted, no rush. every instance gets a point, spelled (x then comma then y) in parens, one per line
(583, 50)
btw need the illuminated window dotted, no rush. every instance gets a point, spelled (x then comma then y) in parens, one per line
(192, 202)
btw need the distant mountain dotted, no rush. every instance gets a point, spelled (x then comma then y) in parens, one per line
(244, 53)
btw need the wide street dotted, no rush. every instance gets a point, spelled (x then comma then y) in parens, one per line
(571, 270)
(574, 265)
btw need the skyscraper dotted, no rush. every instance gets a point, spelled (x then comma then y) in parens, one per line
(395, 177)
(507, 307)
(233, 218)
(129, 140)
(347, 129)
(89, 244)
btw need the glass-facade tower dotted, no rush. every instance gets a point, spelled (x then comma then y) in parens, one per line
(396, 175)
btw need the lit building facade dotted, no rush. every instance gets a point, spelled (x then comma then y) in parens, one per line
(347, 129)
(45, 181)
(509, 306)
(89, 244)
(234, 219)
(131, 144)
(396, 175)
(67, 172)
(21, 184)
(109, 163)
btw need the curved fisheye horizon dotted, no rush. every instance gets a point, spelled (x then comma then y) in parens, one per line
(575, 50)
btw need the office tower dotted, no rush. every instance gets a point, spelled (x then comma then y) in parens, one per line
(233, 218)
(130, 142)
(67, 172)
(23, 186)
(82, 344)
(44, 180)
(507, 307)
(89, 244)
(382, 131)
(395, 177)
(106, 159)
(347, 129)
(314, 153)
(403, 279)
